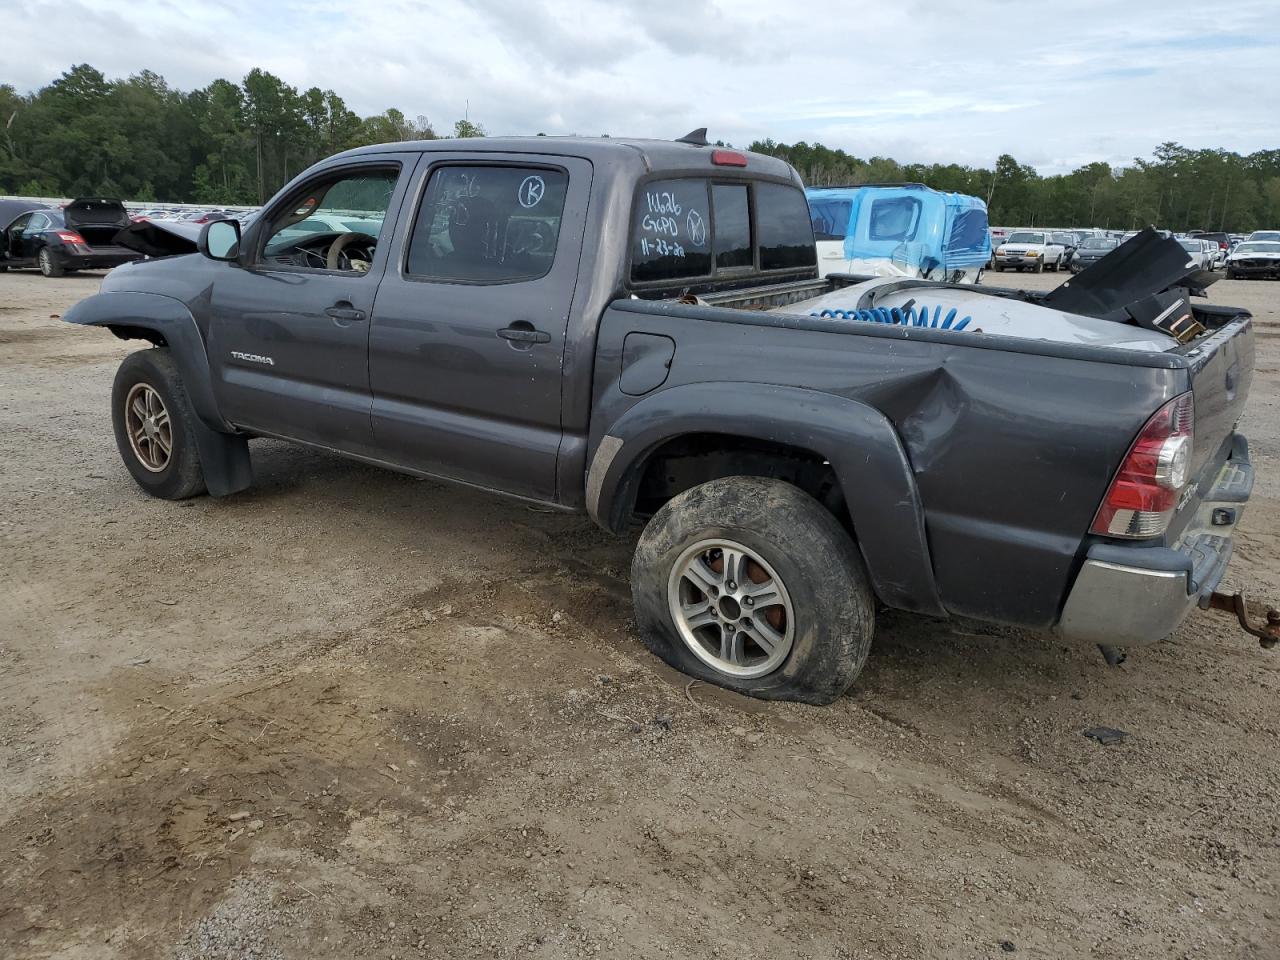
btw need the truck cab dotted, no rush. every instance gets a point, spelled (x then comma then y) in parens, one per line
(900, 230)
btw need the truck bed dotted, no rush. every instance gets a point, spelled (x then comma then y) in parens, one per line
(1011, 441)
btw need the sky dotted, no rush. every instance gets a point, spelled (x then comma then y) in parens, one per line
(1057, 85)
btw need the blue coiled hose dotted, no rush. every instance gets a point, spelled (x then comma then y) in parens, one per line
(905, 316)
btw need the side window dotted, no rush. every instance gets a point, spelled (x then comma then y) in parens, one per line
(894, 219)
(38, 222)
(786, 233)
(830, 218)
(488, 224)
(732, 212)
(334, 223)
(670, 238)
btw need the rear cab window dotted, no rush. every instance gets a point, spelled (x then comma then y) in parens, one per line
(694, 232)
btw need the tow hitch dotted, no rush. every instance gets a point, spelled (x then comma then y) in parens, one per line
(1267, 632)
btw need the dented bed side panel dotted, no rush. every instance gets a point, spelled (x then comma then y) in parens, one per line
(1010, 452)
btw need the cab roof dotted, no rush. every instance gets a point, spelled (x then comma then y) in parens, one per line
(656, 155)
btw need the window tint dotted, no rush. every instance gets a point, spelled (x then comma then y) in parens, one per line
(786, 234)
(670, 236)
(488, 224)
(732, 225)
(830, 218)
(894, 219)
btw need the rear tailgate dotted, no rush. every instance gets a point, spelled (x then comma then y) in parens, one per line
(1221, 374)
(1220, 380)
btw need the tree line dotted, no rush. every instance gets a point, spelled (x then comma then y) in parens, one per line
(139, 139)
(1176, 188)
(237, 143)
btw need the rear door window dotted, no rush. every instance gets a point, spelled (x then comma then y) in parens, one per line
(786, 233)
(488, 224)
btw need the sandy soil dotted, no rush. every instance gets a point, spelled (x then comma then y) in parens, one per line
(352, 714)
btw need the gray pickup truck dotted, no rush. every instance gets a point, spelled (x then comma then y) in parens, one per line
(636, 329)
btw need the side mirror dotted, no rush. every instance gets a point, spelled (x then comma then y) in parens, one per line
(220, 240)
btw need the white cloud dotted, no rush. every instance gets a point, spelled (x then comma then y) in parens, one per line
(921, 80)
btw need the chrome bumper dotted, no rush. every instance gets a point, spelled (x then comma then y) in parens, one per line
(1127, 596)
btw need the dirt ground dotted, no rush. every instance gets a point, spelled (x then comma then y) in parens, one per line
(353, 714)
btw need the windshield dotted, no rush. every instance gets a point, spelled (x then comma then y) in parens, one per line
(1024, 237)
(1266, 235)
(1191, 245)
(1098, 243)
(1259, 246)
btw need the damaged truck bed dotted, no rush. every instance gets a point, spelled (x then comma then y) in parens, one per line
(636, 329)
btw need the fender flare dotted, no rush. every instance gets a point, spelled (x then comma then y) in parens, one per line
(858, 441)
(224, 455)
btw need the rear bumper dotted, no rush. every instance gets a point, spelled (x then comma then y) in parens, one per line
(1130, 595)
(90, 258)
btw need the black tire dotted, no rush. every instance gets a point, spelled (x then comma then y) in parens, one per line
(998, 269)
(815, 559)
(1039, 267)
(49, 265)
(181, 476)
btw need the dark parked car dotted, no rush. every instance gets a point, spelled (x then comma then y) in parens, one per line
(636, 330)
(81, 236)
(1091, 250)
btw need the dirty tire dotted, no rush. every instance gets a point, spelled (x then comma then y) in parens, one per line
(813, 556)
(181, 477)
(49, 264)
(1039, 267)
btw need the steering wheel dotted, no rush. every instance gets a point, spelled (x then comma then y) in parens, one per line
(340, 243)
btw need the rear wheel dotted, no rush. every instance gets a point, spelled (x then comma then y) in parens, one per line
(155, 426)
(753, 585)
(50, 266)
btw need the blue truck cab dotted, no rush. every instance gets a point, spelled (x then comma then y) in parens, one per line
(900, 230)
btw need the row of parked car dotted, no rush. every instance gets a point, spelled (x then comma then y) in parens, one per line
(189, 215)
(1257, 255)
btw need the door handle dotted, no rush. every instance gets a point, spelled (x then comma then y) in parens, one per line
(521, 332)
(345, 311)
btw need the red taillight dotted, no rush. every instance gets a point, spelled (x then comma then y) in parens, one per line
(728, 158)
(68, 236)
(1144, 494)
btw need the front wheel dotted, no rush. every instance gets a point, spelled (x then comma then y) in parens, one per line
(155, 426)
(49, 264)
(1039, 267)
(753, 585)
